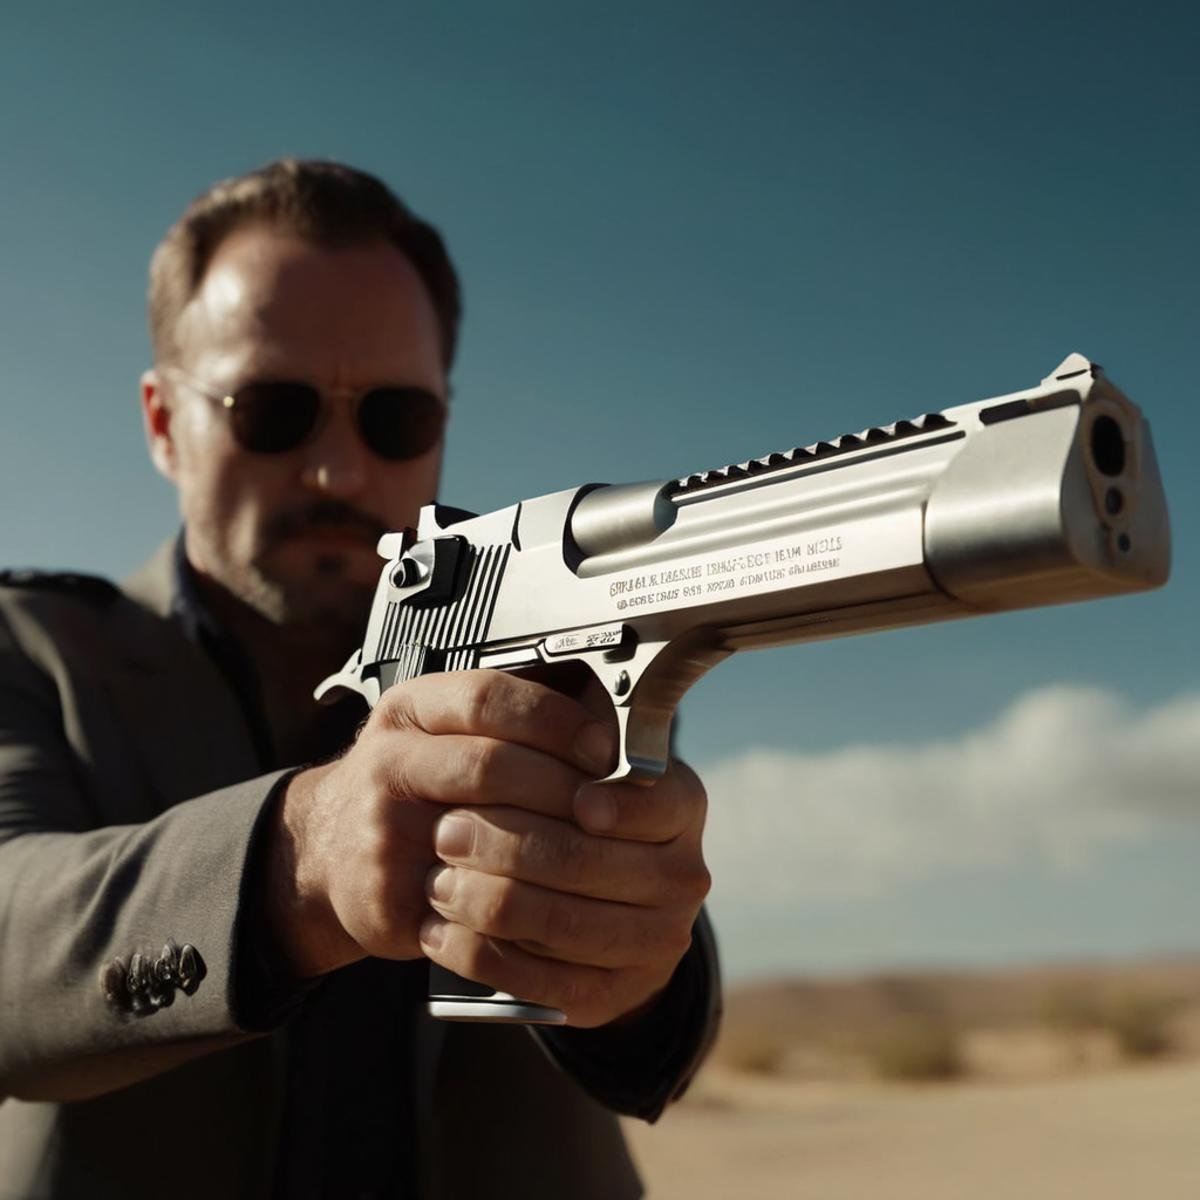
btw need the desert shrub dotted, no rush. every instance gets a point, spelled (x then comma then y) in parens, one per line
(1140, 1024)
(918, 1048)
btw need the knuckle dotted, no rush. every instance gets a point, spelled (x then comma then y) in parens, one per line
(482, 764)
(385, 778)
(481, 697)
(393, 710)
(541, 706)
(499, 910)
(568, 852)
(371, 764)
(550, 854)
(693, 782)
(473, 958)
(689, 879)
(408, 781)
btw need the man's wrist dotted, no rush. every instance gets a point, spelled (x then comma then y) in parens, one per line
(300, 920)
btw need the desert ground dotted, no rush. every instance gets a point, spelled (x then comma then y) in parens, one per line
(1047, 1093)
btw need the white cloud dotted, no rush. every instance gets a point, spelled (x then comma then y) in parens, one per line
(1060, 775)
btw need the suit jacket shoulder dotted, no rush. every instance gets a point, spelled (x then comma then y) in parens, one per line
(119, 837)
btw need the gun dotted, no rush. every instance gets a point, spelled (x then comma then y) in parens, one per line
(1041, 496)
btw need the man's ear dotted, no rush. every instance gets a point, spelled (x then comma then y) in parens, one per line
(156, 421)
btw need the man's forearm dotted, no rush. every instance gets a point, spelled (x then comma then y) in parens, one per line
(80, 905)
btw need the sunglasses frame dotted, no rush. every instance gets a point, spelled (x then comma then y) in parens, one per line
(228, 401)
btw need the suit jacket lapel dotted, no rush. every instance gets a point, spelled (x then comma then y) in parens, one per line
(163, 683)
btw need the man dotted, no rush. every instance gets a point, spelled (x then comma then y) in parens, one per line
(213, 949)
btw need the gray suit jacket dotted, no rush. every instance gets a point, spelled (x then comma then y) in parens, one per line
(127, 807)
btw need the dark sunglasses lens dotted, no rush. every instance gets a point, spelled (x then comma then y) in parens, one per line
(269, 418)
(400, 423)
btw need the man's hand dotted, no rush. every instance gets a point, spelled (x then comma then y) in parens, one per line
(465, 793)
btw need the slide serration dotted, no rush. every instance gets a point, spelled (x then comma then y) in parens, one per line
(875, 436)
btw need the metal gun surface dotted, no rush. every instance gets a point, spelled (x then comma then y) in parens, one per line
(1037, 497)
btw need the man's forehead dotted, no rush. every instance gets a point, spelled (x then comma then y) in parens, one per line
(271, 256)
(267, 287)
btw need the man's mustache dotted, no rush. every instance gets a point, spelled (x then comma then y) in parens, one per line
(323, 514)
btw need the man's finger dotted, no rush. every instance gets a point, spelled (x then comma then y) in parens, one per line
(459, 770)
(506, 707)
(672, 807)
(573, 929)
(588, 995)
(519, 844)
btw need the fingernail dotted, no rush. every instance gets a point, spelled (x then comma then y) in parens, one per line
(439, 883)
(597, 746)
(454, 837)
(433, 931)
(595, 808)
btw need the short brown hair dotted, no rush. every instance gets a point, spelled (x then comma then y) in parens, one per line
(326, 203)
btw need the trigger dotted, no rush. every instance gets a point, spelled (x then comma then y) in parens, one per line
(644, 749)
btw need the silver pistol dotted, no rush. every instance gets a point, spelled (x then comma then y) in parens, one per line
(1042, 496)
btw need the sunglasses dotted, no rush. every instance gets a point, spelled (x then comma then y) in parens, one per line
(396, 422)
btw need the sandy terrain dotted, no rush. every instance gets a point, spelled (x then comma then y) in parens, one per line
(1131, 1131)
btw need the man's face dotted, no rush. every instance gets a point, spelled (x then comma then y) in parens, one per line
(293, 534)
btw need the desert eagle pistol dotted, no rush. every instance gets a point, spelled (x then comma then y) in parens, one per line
(1042, 496)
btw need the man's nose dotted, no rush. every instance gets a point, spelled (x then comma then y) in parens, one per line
(335, 461)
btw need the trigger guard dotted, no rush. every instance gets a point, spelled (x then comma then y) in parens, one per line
(644, 729)
(350, 678)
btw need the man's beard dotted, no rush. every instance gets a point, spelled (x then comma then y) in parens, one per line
(317, 606)
(330, 605)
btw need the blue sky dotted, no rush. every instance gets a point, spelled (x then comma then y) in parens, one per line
(691, 233)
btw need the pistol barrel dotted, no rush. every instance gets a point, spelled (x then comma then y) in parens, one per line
(1038, 497)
